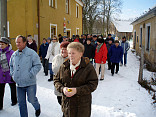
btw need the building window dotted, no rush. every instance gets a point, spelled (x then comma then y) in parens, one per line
(140, 42)
(69, 33)
(77, 10)
(53, 3)
(148, 30)
(53, 30)
(67, 6)
(77, 31)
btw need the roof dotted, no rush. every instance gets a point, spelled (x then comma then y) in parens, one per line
(123, 26)
(151, 13)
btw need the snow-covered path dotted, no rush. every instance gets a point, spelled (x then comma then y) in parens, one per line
(117, 96)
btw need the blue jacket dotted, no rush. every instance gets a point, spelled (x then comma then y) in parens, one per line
(43, 50)
(115, 54)
(125, 46)
(24, 67)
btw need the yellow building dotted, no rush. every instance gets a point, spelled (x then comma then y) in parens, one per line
(144, 36)
(43, 18)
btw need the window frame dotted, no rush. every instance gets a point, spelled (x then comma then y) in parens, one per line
(147, 38)
(77, 10)
(67, 4)
(141, 35)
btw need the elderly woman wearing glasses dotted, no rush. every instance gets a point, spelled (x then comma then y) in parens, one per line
(53, 50)
(76, 80)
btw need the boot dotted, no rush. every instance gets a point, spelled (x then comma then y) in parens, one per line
(51, 78)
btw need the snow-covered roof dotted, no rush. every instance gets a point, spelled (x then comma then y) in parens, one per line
(123, 26)
(151, 13)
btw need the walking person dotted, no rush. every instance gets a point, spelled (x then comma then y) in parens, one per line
(100, 57)
(31, 43)
(115, 53)
(24, 65)
(53, 50)
(76, 79)
(125, 46)
(58, 60)
(89, 50)
(42, 53)
(5, 55)
(110, 43)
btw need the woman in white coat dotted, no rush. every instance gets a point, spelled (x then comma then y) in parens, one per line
(53, 50)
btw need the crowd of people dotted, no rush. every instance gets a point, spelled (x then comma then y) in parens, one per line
(74, 65)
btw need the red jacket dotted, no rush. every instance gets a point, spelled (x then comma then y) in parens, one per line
(76, 40)
(101, 56)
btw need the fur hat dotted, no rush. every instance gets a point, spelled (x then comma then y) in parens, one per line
(5, 40)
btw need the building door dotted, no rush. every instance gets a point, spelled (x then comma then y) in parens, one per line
(68, 34)
(53, 30)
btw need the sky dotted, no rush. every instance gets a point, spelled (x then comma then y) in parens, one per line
(134, 8)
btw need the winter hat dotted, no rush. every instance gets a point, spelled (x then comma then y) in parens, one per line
(49, 38)
(94, 36)
(116, 41)
(109, 35)
(100, 40)
(5, 40)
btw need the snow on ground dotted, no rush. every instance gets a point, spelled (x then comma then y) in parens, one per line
(117, 96)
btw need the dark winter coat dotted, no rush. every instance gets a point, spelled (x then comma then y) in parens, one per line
(43, 50)
(5, 76)
(60, 39)
(85, 80)
(89, 51)
(115, 53)
(83, 41)
(108, 47)
(33, 46)
(101, 56)
(94, 43)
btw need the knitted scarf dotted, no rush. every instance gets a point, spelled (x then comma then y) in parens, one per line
(4, 62)
(99, 46)
(53, 48)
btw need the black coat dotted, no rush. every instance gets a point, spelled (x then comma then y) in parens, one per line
(33, 46)
(83, 41)
(89, 51)
(108, 47)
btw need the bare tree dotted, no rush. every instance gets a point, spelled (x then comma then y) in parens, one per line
(89, 15)
(109, 9)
